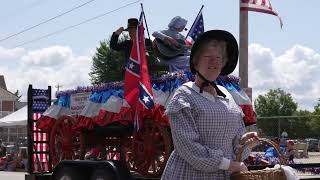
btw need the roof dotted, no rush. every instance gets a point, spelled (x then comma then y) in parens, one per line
(6, 95)
(18, 118)
(2, 83)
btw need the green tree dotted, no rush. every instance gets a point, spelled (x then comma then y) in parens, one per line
(275, 103)
(106, 64)
(317, 108)
(17, 93)
(315, 121)
(300, 126)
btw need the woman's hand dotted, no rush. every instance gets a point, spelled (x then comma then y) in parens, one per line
(236, 167)
(250, 138)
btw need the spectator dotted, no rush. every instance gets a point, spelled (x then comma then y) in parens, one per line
(22, 160)
(3, 163)
(3, 149)
(271, 151)
(11, 162)
(290, 151)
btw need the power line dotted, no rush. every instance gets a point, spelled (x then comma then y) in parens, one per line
(72, 26)
(46, 21)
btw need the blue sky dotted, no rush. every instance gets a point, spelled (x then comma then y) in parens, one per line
(292, 48)
(299, 21)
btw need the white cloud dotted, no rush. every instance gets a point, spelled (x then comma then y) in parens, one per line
(48, 67)
(6, 54)
(51, 57)
(296, 71)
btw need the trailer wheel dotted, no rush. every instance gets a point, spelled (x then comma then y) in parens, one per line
(64, 141)
(68, 173)
(152, 146)
(103, 174)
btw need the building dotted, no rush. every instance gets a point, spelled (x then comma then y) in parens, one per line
(7, 99)
(9, 104)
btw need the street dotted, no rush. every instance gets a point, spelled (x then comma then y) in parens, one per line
(12, 175)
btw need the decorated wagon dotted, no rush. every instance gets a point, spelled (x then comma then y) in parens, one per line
(98, 118)
(98, 124)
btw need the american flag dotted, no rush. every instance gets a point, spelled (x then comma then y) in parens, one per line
(263, 6)
(196, 30)
(40, 139)
(137, 86)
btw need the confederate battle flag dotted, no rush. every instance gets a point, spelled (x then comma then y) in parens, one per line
(137, 86)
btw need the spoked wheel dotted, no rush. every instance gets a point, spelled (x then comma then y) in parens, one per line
(64, 141)
(126, 153)
(152, 146)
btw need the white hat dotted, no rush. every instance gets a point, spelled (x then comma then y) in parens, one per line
(177, 23)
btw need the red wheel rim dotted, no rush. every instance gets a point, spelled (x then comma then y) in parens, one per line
(64, 141)
(152, 146)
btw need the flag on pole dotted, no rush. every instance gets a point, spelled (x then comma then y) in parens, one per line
(137, 86)
(263, 6)
(196, 29)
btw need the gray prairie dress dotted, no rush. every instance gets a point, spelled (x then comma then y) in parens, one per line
(204, 129)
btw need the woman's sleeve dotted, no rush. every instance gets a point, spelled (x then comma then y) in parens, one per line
(186, 138)
(160, 35)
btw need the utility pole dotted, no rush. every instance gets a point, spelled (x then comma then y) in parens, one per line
(243, 50)
(58, 86)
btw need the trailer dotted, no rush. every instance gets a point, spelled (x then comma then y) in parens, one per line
(61, 142)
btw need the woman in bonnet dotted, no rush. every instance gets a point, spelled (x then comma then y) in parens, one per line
(206, 123)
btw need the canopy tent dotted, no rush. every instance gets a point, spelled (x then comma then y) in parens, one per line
(18, 118)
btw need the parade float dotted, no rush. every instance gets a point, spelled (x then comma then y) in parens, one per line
(98, 126)
(98, 117)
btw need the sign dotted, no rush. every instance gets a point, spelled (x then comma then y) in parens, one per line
(78, 102)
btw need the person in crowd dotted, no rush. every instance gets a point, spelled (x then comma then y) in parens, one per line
(11, 162)
(206, 123)
(271, 152)
(290, 151)
(3, 150)
(3, 163)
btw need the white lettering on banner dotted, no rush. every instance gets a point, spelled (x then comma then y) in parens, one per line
(78, 102)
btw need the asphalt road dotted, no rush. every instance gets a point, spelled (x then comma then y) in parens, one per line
(21, 176)
(12, 175)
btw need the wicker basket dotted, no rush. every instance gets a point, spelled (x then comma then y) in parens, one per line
(265, 174)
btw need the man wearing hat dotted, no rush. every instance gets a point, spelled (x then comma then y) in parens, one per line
(125, 45)
(206, 123)
(176, 58)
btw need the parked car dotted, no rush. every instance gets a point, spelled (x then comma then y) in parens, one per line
(11, 149)
(313, 144)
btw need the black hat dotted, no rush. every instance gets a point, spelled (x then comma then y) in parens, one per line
(232, 49)
(132, 22)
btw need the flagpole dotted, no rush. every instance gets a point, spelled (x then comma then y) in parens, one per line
(195, 21)
(243, 50)
(145, 21)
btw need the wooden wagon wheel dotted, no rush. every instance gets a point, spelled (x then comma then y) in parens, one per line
(64, 141)
(152, 146)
